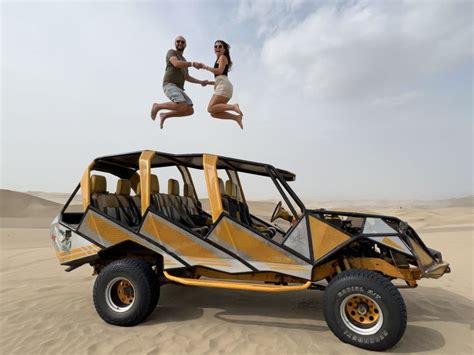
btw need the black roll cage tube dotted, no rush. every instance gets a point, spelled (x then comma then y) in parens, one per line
(277, 180)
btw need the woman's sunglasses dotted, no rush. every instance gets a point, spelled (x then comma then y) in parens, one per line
(218, 46)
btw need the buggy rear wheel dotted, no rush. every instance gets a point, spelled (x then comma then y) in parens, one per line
(365, 309)
(126, 292)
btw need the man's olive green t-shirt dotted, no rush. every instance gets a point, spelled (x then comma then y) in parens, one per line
(172, 74)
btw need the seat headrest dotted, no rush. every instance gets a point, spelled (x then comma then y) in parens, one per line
(221, 186)
(231, 189)
(98, 184)
(188, 190)
(173, 187)
(228, 188)
(123, 187)
(154, 185)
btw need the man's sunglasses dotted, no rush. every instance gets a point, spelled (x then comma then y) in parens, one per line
(183, 42)
(218, 46)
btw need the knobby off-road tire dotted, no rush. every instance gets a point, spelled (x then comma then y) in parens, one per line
(126, 292)
(365, 309)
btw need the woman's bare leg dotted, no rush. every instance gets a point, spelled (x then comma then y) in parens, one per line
(228, 116)
(222, 107)
(219, 105)
(237, 109)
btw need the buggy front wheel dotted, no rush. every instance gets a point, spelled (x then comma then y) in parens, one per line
(365, 309)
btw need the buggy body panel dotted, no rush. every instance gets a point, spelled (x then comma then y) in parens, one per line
(227, 245)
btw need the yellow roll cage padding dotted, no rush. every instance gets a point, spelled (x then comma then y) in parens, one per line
(86, 186)
(144, 164)
(209, 162)
(236, 285)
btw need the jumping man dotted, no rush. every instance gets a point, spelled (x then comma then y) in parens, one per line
(176, 73)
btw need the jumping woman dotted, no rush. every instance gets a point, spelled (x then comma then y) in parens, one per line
(223, 89)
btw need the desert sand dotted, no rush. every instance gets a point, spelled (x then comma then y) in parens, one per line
(45, 310)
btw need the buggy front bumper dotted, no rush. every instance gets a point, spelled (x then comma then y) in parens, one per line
(438, 268)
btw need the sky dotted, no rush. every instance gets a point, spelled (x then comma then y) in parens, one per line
(360, 99)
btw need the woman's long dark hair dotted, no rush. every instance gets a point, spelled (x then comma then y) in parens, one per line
(226, 52)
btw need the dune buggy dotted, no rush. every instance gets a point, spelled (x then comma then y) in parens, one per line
(139, 237)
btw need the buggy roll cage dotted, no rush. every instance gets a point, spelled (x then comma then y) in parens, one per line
(136, 166)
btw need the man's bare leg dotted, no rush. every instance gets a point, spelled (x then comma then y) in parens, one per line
(183, 110)
(228, 116)
(173, 106)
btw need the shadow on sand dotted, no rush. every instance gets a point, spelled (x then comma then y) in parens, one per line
(296, 310)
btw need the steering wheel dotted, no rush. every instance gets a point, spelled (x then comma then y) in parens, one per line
(275, 211)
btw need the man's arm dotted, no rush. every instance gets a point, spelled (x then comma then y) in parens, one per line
(189, 78)
(180, 63)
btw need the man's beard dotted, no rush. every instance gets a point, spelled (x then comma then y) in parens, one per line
(179, 50)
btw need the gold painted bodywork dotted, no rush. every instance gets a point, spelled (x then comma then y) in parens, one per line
(425, 259)
(325, 270)
(77, 253)
(106, 230)
(391, 243)
(274, 263)
(257, 250)
(182, 244)
(325, 238)
(190, 248)
(108, 233)
(376, 264)
(250, 245)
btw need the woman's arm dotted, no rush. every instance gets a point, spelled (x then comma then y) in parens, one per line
(222, 62)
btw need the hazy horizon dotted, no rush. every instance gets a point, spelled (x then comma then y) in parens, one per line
(360, 99)
(253, 198)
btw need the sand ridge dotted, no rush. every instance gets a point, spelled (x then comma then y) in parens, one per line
(19, 205)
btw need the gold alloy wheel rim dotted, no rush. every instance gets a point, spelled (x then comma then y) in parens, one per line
(125, 292)
(120, 294)
(362, 311)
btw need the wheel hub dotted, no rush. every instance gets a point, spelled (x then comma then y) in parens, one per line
(362, 311)
(120, 294)
(362, 308)
(125, 292)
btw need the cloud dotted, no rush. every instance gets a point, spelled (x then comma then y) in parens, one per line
(369, 50)
(396, 100)
(270, 15)
(359, 99)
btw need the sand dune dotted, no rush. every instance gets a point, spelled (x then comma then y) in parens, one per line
(18, 205)
(46, 310)
(58, 197)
